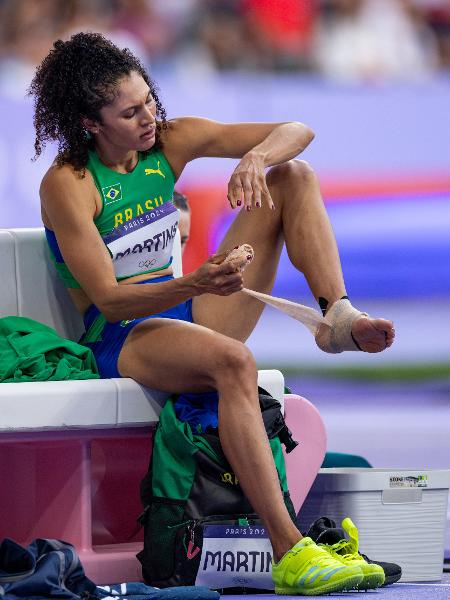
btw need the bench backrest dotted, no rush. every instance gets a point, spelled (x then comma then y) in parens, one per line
(30, 286)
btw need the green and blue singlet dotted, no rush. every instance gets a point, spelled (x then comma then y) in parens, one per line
(138, 222)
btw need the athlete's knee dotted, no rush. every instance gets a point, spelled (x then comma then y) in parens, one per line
(236, 359)
(295, 170)
(302, 169)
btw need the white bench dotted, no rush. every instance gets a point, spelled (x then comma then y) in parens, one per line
(73, 452)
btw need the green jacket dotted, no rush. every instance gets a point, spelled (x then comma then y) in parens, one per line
(31, 351)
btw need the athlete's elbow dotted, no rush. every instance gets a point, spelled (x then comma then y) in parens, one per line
(306, 134)
(109, 311)
(111, 307)
(303, 134)
(111, 314)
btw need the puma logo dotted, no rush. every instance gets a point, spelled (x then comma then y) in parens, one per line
(156, 171)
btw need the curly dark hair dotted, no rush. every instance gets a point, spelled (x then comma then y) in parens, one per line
(76, 79)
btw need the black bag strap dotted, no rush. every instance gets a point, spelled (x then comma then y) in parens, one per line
(274, 424)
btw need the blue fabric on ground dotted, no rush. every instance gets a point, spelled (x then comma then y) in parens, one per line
(199, 410)
(52, 569)
(140, 591)
(45, 569)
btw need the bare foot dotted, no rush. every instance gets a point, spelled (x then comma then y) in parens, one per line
(373, 335)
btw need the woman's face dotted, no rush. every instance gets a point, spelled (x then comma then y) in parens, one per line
(184, 225)
(129, 122)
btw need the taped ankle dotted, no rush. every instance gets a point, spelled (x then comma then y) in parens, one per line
(323, 303)
(335, 334)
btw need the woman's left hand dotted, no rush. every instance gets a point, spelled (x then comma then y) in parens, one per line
(247, 186)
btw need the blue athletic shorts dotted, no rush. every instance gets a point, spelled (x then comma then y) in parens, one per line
(106, 339)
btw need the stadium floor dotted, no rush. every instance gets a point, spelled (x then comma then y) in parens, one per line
(398, 591)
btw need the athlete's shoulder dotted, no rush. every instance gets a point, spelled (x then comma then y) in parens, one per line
(185, 139)
(64, 174)
(184, 125)
(63, 184)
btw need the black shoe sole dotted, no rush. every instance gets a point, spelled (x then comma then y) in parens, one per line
(389, 580)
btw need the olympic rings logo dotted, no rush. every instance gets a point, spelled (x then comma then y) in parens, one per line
(146, 264)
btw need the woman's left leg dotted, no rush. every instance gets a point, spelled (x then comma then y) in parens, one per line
(300, 220)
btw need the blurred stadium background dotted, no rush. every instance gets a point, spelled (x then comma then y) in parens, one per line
(372, 78)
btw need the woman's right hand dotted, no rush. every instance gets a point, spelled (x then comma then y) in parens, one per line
(218, 276)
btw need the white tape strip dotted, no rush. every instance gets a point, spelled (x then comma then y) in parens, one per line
(310, 317)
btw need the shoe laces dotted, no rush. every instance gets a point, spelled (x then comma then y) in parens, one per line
(345, 549)
(342, 550)
(321, 560)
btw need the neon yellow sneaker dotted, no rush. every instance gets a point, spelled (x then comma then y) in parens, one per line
(307, 570)
(347, 552)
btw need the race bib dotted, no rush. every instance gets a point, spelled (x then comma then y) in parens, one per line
(235, 556)
(144, 244)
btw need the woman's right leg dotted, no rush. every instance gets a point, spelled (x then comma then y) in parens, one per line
(176, 356)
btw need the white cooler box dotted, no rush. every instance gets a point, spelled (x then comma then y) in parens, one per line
(401, 515)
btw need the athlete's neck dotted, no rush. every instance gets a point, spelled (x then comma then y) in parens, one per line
(116, 159)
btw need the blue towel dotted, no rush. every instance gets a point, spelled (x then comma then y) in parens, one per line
(51, 569)
(140, 591)
(45, 569)
(199, 410)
